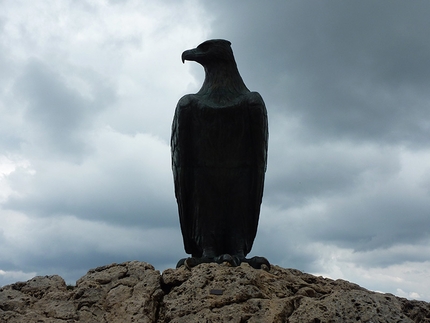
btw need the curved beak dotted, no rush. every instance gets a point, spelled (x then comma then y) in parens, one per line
(191, 55)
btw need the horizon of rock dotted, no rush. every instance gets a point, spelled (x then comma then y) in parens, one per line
(135, 292)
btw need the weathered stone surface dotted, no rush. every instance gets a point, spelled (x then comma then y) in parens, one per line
(128, 292)
(136, 292)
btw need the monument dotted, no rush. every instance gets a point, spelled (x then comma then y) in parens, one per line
(219, 157)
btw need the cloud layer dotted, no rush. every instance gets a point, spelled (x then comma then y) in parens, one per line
(87, 95)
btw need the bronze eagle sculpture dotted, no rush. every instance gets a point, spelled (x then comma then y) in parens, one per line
(219, 156)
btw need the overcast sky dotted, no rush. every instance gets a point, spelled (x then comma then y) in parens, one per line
(87, 95)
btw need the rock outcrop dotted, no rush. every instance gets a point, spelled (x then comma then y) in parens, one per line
(136, 292)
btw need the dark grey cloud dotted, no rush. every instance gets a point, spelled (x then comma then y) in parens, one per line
(71, 246)
(356, 70)
(397, 255)
(370, 222)
(73, 265)
(10, 139)
(300, 172)
(115, 184)
(55, 113)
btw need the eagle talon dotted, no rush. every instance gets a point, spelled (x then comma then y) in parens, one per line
(234, 261)
(181, 262)
(258, 262)
(194, 261)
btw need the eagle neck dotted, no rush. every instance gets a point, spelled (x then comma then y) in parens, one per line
(222, 83)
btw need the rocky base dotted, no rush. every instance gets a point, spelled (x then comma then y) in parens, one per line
(136, 292)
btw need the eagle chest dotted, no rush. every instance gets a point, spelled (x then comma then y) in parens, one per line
(216, 137)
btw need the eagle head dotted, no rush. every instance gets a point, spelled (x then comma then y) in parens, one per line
(210, 51)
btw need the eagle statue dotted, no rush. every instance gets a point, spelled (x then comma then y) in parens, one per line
(219, 157)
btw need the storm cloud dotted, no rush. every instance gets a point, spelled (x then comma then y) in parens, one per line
(87, 95)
